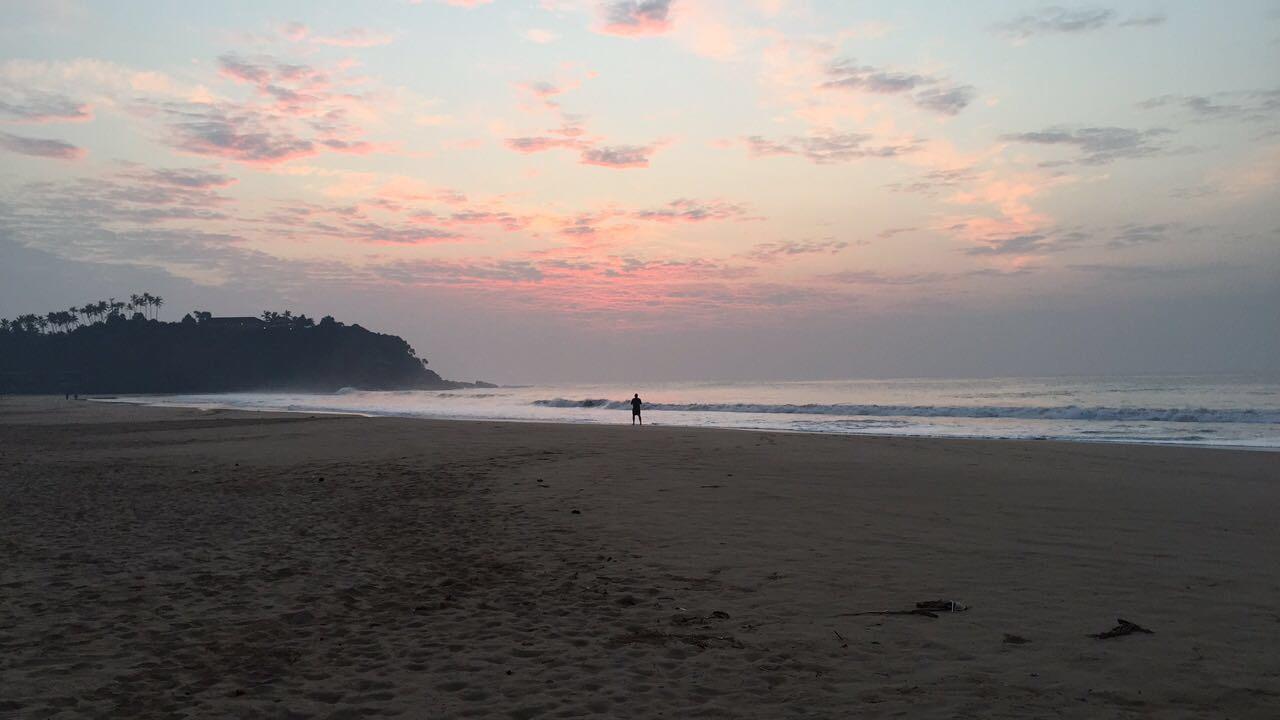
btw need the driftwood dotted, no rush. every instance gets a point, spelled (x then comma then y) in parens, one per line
(1123, 628)
(941, 606)
(916, 611)
(927, 608)
(690, 619)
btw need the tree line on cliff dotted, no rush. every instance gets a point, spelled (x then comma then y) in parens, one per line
(114, 346)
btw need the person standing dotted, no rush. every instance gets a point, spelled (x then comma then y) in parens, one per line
(635, 410)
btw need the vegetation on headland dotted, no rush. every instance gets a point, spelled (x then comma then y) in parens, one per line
(114, 346)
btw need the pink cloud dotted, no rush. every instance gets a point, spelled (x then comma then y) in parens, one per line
(293, 89)
(40, 147)
(373, 233)
(635, 18)
(1003, 221)
(300, 111)
(29, 105)
(572, 135)
(617, 156)
(185, 179)
(826, 148)
(352, 224)
(357, 147)
(222, 132)
(400, 190)
(240, 70)
(506, 220)
(538, 144)
(772, 252)
(692, 211)
(543, 93)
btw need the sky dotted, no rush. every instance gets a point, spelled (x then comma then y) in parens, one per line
(560, 190)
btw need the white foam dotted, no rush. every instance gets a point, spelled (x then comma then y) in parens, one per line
(1231, 411)
(1064, 412)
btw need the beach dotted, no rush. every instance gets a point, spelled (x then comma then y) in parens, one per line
(172, 562)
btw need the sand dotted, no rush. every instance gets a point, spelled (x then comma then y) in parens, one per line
(184, 563)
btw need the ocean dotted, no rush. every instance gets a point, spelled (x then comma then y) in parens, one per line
(1226, 411)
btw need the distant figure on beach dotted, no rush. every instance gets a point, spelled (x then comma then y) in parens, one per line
(635, 410)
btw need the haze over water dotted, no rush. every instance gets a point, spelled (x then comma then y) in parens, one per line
(1237, 410)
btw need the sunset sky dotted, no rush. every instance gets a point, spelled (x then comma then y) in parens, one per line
(621, 189)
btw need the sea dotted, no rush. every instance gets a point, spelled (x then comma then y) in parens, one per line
(1225, 411)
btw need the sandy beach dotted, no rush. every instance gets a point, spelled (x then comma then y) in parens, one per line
(184, 563)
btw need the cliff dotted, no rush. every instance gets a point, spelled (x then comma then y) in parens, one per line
(119, 354)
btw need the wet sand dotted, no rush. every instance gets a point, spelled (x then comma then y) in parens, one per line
(182, 563)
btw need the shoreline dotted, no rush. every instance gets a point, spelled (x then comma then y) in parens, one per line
(138, 401)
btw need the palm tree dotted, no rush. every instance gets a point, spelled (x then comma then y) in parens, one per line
(74, 313)
(137, 302)
(4, 325)
(59, 319)
(157, 301)
(65, 319)
(41, 322)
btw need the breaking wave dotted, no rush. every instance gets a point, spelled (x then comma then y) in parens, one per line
(1063, 412)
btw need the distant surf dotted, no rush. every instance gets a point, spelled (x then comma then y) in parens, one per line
(1226, 411)
(1068, 412)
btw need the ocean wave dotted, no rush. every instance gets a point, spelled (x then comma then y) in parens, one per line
(1062, 412)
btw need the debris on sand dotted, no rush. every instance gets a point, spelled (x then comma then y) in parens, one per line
(941, 606)
(915, 611)
(1010, 639)
(1123, 628)
(691, 619)
(926, 608)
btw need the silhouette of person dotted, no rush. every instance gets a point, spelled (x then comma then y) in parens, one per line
(635, 410)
